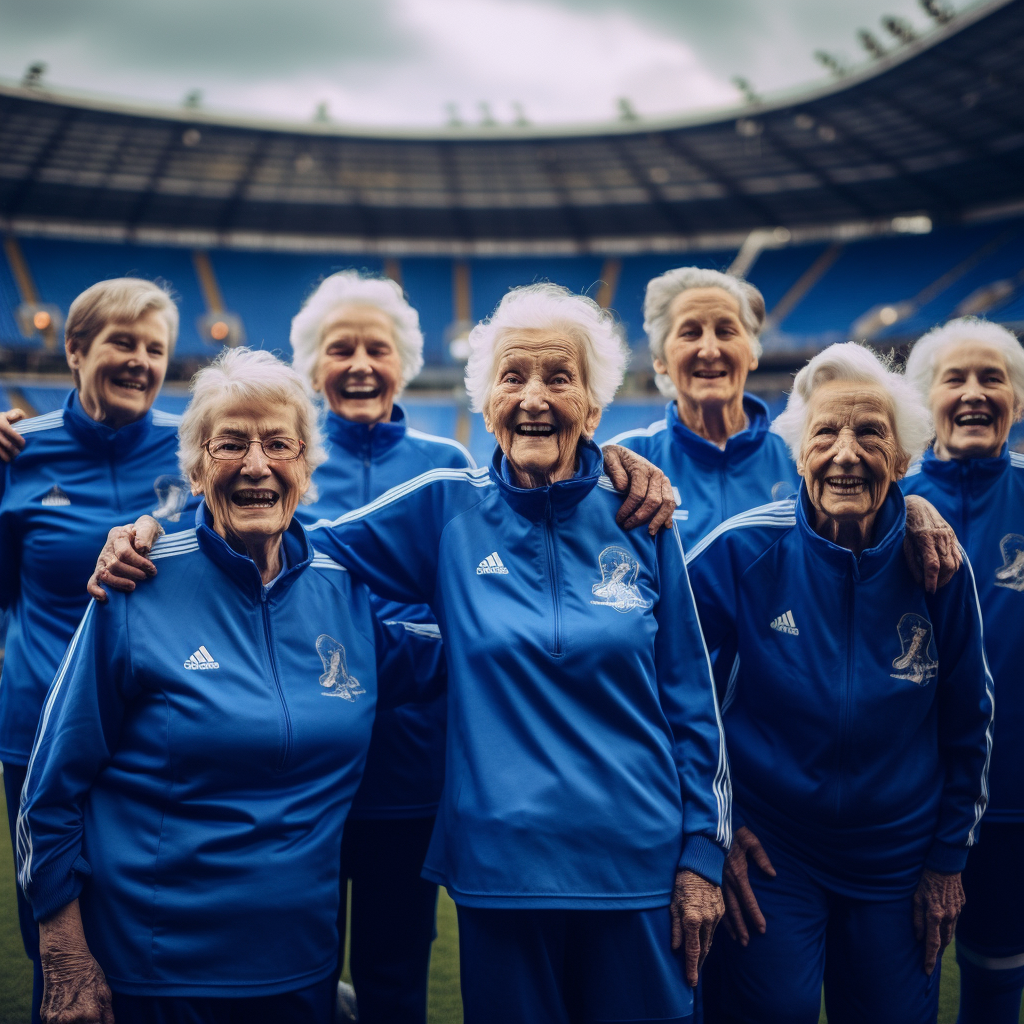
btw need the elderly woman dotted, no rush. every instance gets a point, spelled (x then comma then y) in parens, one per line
(714, 442)
(203, 739)
(859, 720)
(971, 373)
(104, 455)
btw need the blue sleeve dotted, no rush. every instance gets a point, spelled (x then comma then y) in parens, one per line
(410, 662)
(715, 577)
(966, 706)
(688, 699)
(76, 736)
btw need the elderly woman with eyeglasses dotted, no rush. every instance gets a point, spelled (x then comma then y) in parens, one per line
(858, 716)
(971, 374)
(180, 828)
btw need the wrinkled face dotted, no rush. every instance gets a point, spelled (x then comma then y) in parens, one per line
(540, 406)
(254, 496)
(123, 369)
(849, 455)
(972, 401)
(708, 352)
(359, 369)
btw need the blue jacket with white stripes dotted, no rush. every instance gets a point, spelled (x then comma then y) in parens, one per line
(405, 767)
(73, 481)
(196, 758)
(712, 483)
(859, 711)
(983, 500)
(585, 757)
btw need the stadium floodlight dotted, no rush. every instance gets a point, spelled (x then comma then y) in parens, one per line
(989, 296)
(834, 64)
(900, 28)
(919, 224)
(220, 327)
(879, 317)
(940, 13)
(40, 320)
(33, 77)
(870, 43)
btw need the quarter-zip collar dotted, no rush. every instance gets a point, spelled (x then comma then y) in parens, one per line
(890, 526)
(561, 498)
(359, 439)
(739, 445)
(297, 554)
(956, 471)
(98, 437)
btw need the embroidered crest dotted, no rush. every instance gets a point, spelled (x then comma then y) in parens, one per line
(919, 661)
(171, 497)
(1011, 573)
(617, 588)
(336, 680)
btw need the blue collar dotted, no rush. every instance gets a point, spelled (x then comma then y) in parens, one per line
(890, 526)
(558, 499)
(297, 553)
(743, 443)
(98, 436)
(359, 439)
(966, 470)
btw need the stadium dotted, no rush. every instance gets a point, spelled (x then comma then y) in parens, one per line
(872, 207)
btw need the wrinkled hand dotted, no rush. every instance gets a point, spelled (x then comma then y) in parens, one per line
(650, 499)
(122, 562)
(739, 896)
(937, 905)
(11, 442)
(696, 909)
(75, 990)
(930, 545)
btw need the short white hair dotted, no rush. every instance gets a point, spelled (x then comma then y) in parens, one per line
(850, 361)
(259, 379)
(349, 287)
(549, 307)
(923, 361)
(662, 292)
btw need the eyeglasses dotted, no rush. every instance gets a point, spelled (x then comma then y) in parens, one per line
(234, 449)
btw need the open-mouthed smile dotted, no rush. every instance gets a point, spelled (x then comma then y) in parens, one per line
(975, 418)
(361, 391)
(255, 497)
(710, 374)
(128, 383)
(535, 429)
(846, 485)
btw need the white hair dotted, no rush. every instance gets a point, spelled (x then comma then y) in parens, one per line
(923, 361)
(549, 307)
(259, 379)
(662, 292)
(349, 287)
(850, 361)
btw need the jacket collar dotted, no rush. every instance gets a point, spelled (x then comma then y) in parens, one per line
(98, 436)
(558, 499)
(743, 443)
(359, 439)
(890, 527)
(957, 470)
(297, 554)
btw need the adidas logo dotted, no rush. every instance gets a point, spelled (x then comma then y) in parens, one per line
(785, 624)
(55, 496)
(492, 563)
(202, 659)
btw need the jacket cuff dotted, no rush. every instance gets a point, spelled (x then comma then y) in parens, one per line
(57, 884)
(704, 857)
(946, 858)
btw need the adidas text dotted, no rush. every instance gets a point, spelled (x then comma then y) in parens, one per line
(492, 564)
(202, 659)
(785, 624)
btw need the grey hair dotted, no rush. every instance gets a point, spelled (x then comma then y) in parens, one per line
(549, 306)
(662, 291)
(119, 300)
(922, 363)
(259, 379)
(351, 287)
(850, 361)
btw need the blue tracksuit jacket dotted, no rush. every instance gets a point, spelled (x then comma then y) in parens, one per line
(983, 500)
(405, 767)
(195, 760)
(75, 479)
(859, 715)
(585, 759)
(713, 484)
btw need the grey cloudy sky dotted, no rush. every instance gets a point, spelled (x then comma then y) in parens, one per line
(399, 62)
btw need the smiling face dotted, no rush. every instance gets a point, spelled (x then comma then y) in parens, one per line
(540, 405)
(122, 370)
(708, 351)
(254, 497)
(849, 455)
(972, 401)
(359, 369)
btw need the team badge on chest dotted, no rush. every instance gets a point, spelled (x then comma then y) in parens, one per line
(336, 680)
(1011, 573)
(918, 660)
(618, 588)
(171, 497)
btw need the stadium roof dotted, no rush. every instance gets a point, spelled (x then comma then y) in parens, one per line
(936, 128)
